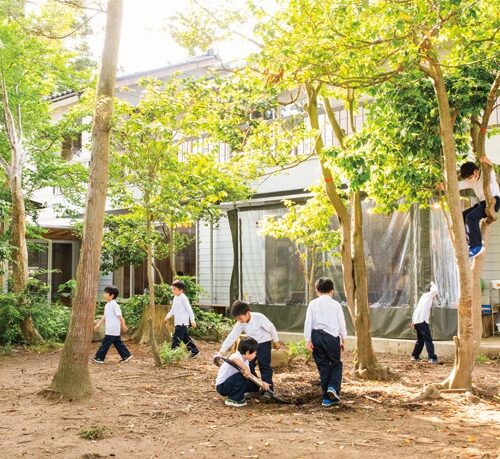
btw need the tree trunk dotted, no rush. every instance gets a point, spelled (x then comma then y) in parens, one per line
(152, 306)
(161, 332)
(13, 172)
(466, 345)
(353, 262)
(72, 378)
(366, 365)
(171, 245)
(20, 257)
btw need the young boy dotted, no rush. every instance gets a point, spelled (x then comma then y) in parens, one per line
(183, 316)
(113, 321)
(257, 326)
(233, 384)
(473, 178)
(325, 332)
(420, 320)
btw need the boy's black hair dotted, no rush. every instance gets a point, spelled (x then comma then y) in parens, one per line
(112, 290)
(247, 345)
(324, 285)
(467, 169)
(239, 308)
(179, 284)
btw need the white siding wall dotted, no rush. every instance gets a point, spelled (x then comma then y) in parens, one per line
(104, 280)
(253, 252)
(222, 263)
(492, 264)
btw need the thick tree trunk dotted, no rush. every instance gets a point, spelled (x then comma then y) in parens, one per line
(353, 262)
(72, 378)
(160, 331)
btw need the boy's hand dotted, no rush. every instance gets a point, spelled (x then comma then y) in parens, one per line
(440, 186)
(278, 345)
(342, 346)
(124, 329)
(412, 325)
(309, 346)
(266, 386)
(193, 324)
(96, 327)
(485, 160)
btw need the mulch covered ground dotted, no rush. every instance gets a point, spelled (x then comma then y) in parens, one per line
(175, 412)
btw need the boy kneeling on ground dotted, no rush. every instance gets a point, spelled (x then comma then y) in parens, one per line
(234, 384)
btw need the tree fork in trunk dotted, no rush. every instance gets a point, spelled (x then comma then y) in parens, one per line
(353, 262)
(72, 378)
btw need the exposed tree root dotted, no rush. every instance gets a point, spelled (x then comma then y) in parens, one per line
(377, 373)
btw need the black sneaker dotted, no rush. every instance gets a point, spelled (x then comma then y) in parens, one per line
(194, 354)
(97, 360)
(126, 359)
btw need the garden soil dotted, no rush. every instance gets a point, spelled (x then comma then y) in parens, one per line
(175, 412)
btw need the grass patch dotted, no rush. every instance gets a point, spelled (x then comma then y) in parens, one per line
(96, 432)
(298, 349)
(46, 346)
(171, 356)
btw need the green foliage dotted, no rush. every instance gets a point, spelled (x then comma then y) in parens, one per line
(193, 289)
(171, 356)
(51, 320)
(10, 318)
(298, 349)
(481, 358)
(132, 310)
(210, 326)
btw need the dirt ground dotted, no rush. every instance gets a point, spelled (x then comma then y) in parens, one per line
(175, 412)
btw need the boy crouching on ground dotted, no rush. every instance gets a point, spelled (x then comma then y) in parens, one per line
(234, 384)
(325, 331)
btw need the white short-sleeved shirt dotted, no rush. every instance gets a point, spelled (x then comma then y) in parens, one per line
(112, 312)
(226, 370)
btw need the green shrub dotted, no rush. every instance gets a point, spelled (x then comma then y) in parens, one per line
(193, 289)
(210, 326)
(172, 356)
(11, 317)
(298, 349)
(132, 310)
(51, 320)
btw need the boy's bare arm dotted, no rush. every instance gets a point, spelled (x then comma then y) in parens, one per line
(123, 325)
(98, 324)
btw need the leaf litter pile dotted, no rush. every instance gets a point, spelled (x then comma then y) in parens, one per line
(139, 411)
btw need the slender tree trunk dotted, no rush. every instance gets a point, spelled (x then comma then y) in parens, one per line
(171, 246)
(72, 378)
(353, 262)
(366, 365)
(466, 344)
(14, 172)
(152, 305)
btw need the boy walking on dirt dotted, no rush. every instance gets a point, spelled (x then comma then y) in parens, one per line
(420, 320)
(233, 383)
(258, 326)
(114, 324)
(324, 332)
(183, 316)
